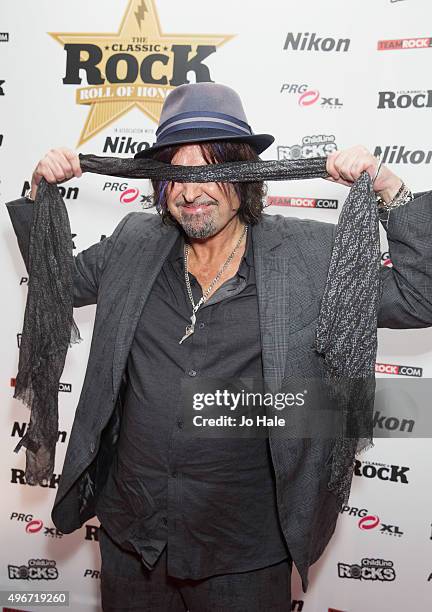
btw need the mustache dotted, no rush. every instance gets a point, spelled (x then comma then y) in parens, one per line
(198, 202)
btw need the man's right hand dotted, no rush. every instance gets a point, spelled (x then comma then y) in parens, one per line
(57, 166)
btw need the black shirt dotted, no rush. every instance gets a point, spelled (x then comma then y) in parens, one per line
(212, 501)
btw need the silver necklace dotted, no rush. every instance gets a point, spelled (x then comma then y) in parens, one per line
(191, 328)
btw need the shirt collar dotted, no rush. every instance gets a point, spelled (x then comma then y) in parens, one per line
(177, 254)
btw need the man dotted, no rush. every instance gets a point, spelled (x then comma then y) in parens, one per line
(199, 291)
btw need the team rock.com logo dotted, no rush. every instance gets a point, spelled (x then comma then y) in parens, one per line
(319, 145)
(308, 96)
(36, 569)
(398, 369)
(301, 202)
(404, 43)
(370, 569)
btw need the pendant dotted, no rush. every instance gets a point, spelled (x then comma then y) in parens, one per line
(189, 328)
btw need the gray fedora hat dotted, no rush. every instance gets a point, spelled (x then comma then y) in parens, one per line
(202, 112)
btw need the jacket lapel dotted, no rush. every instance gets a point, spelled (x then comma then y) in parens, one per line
(272, 272)
(157, 241)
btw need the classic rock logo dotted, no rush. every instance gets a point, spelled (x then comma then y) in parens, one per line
(301, 202)
(369, 569)
(36, 569)
(135, 67)
(405, 99)
(382, 471)
(319, 145)
(404, 43)
(4, 36)
(18, 477)
(2, 93)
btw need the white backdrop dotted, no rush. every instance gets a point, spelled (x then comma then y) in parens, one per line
(328, 93)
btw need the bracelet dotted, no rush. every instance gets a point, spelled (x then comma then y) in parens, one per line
(403, 196)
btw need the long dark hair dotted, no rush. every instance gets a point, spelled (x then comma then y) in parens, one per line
(251, 195)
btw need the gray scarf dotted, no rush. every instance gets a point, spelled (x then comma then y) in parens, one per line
(346, 334)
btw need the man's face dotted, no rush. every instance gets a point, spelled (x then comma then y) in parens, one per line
(202, 209)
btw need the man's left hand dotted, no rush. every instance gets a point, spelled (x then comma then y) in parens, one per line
(344, 167)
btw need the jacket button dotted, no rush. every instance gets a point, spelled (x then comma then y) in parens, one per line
(92, 447)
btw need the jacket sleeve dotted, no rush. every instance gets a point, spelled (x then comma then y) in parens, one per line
(406, 300)
(88, 264)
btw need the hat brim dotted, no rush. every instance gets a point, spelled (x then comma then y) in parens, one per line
(260, 142)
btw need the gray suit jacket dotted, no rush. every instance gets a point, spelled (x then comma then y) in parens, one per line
(291, 259)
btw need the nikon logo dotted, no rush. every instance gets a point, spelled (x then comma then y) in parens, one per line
(311, 42)
(123, 144)
(399, 154)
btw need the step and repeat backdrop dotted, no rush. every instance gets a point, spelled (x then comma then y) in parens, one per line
(320, 76)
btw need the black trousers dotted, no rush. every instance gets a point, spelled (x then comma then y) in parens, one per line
(127, 585)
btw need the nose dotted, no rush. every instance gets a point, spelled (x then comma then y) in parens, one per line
(191, 191)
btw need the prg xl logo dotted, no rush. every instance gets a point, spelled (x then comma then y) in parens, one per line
(129, 194)
(308, 96)
(135, 67)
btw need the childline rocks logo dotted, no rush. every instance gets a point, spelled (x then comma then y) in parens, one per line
(135, 67)
(36, 569)
(319, 145)
(369, 569)
(302, 202)
(398, 370)
(405, 99)
(311, 42)
(404, 43)
(399, 154)
(309, 96)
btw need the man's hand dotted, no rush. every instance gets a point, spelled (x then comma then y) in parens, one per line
(57, 166)
(346, 166)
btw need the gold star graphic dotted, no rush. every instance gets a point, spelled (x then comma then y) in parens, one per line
(136, 67)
